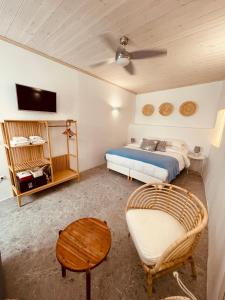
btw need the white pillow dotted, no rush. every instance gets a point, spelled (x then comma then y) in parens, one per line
(182, 149)
(133, 145)
(176, 143)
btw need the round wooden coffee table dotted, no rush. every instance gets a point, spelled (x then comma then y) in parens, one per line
(82, 246)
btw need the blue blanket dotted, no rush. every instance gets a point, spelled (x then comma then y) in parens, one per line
(169, 163)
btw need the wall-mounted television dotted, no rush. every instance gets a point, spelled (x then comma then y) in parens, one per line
(30, 98)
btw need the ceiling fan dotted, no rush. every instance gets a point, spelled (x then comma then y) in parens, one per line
(125, 58)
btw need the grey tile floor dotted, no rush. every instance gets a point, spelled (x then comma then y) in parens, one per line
(28, 236)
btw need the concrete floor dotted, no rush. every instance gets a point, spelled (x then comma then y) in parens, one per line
(28, 236)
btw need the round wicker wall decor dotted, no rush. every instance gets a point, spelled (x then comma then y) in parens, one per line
(166, 109)
(188, 108)
(148, 110)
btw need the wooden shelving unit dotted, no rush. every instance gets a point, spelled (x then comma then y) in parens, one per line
(27, 157)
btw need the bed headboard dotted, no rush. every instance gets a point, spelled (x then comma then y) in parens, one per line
(191, 136)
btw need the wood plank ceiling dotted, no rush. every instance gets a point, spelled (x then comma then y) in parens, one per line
(193, 31)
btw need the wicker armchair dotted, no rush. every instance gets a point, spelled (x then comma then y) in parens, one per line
(183, 208)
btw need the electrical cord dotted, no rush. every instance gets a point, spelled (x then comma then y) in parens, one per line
(183, 287)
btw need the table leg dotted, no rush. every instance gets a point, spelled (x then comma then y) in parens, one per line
(88, 284)
(63, 271)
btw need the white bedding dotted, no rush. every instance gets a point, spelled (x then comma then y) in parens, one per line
(149, 169)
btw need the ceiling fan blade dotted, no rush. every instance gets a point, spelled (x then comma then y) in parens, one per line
(143, 54)
(101, 63)
(130, 68)
(109, 40)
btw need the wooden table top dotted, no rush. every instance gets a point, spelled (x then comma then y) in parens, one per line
(83, 244)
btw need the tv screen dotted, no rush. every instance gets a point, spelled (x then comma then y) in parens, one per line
(30, 98)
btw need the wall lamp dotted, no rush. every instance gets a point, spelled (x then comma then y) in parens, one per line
(219, 128)
(115, 111)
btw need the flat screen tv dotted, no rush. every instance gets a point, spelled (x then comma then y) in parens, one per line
(30, 98)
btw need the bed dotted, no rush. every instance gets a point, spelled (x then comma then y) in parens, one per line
(147, 166)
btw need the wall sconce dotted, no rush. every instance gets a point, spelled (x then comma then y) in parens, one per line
(115, 111)
(219, 128)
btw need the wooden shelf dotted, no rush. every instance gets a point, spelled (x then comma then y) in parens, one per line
(27, 165)
(24, 146)
(60, 177)
(64, 175)
(28, 157)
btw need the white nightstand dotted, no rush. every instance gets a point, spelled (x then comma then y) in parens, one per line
(197, 157)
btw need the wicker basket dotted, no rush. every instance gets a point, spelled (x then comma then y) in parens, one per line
(176, 298)
(148, 110)
(166, 109)
(188, 108)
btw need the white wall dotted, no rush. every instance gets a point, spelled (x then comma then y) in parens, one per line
(195, 130)
(215, 194)
(79, 96)
(205, 95)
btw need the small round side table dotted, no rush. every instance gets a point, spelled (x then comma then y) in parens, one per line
(200, 158)
(82, 246)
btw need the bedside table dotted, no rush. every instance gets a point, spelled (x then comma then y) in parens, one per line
(200, 158)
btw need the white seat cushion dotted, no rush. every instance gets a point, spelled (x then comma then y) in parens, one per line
(152, 231)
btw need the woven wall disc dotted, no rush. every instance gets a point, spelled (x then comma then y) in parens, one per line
(148, 110)
(166, 109)
(188, 108)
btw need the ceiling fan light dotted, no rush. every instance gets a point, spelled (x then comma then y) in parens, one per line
(123, 61)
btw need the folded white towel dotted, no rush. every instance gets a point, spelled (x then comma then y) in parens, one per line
(17, 144)
(22, 141)
(35, 137)
(35, 140)
(38, 142)
(19, 139)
